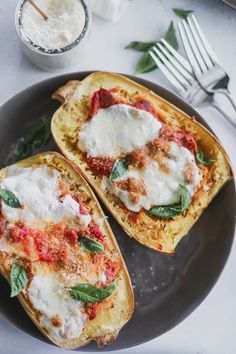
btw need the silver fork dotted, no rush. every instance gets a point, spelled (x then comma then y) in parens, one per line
(180, 73)
(203, 59)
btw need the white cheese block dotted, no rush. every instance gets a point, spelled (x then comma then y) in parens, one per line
(118, 129)
(38, 192)
(161, 188)
(50, 298)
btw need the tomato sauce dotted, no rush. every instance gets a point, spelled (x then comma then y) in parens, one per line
(48, 252)
(100, 165)
(111, 271)
(101, 99)
(91, 310)
(159, 247)
(72, 236)
(50, 247)
(2, 225)
(93, 230)
(145, 106)
(181, 137)
(19, 233)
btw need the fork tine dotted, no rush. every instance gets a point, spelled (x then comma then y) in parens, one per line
(175, 63)
(188, 49)
(167, 72)
(171, 67)
(179, 57)
(205, 42)
(201, 47)
(193, 47)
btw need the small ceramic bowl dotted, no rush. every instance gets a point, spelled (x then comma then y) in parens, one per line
(53, 59)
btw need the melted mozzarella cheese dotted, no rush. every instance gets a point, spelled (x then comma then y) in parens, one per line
(118, 129)
(161, 188)
(50, 298)
(38, 192)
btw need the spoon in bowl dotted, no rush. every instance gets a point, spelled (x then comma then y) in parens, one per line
(38, 9)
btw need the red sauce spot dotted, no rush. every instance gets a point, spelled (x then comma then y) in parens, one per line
(145, 106)
(71, 235)
(26, 245)
(101, 99)
(159, 247)
(133, 217)
(100, 165)
(19, 233)
(49, 253)
(2, 225)
(181, 137)
(186, 139)
(95, 231)
(91, 310)
(111, 271)
(83, 210)
(58, 227)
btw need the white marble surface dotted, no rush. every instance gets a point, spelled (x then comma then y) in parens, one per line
(211, 328)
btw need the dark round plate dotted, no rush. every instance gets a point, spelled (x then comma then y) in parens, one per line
(167, 288)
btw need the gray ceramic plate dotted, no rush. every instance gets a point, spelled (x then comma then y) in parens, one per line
(167, 288)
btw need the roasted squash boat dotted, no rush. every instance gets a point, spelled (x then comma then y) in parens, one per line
(59, 254)
(154, 167)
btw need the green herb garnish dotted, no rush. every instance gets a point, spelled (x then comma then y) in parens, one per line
(182, 13)
(18, 279)
(141, 46)
(119, 169)
(37, 136)
(89, 293)
(91, 245)
(170, 211)
(9, 198)
(146, 63)
(202, 159)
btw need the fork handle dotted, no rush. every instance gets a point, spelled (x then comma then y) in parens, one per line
(230, 98)
(228, 116)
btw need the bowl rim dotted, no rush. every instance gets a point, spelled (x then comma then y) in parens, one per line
(52, 52)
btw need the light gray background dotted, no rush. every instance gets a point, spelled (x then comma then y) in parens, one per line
(211, 328)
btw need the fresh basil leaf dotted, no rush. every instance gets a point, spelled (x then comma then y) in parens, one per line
(170, 36)
(146, 63)
(9, 198)
(18, 279)
(185, 197)
(182, 13)
(91, 245)
(119, 169)
(89, 293)
(170, 211)
(202, 159)
(165, 212)
(37, 136)
(141, 46)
